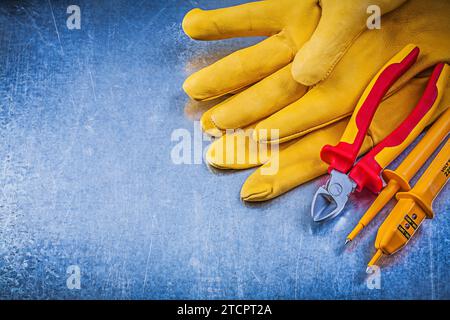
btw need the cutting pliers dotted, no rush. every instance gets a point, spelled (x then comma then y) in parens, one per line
(345, 175)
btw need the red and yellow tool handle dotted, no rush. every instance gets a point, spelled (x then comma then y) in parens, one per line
(342, 156)
(367, 172)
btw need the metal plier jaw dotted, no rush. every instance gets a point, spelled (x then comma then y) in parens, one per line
(331, 198)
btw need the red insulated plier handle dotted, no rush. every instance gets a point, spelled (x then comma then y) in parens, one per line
(366, 173)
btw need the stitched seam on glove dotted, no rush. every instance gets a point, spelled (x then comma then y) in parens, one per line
(304, 132)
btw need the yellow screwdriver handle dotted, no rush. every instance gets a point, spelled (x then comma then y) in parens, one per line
(413, 207)
(399, 179)
(419, 155)
(431, 182)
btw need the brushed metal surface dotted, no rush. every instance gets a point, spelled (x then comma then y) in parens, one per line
(86, 118)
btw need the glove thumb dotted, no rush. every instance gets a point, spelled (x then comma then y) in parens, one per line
(340, 24)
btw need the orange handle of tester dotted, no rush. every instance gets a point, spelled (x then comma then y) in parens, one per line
(413, 207)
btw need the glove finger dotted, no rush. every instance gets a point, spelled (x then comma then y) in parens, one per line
(316, 109)
(339, 26)
(237, 150)
(208, 126)
(240, 69)
(257, 102)
(250, 19)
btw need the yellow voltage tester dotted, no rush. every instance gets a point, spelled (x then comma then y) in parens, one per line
(398, 180)
(412, 207)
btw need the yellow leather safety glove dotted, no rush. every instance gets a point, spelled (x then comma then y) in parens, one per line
(340, 25)
(321, 29)
(289, 25)
(304, 111)
(422, 22)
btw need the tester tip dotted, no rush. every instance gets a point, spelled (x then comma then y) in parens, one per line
(355, 231)
(375, 259)
(347, 241)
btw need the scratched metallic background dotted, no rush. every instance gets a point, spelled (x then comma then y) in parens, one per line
(86, 176)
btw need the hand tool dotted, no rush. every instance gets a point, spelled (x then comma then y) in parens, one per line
(331, 198)
(413, 207)
(399, 179)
